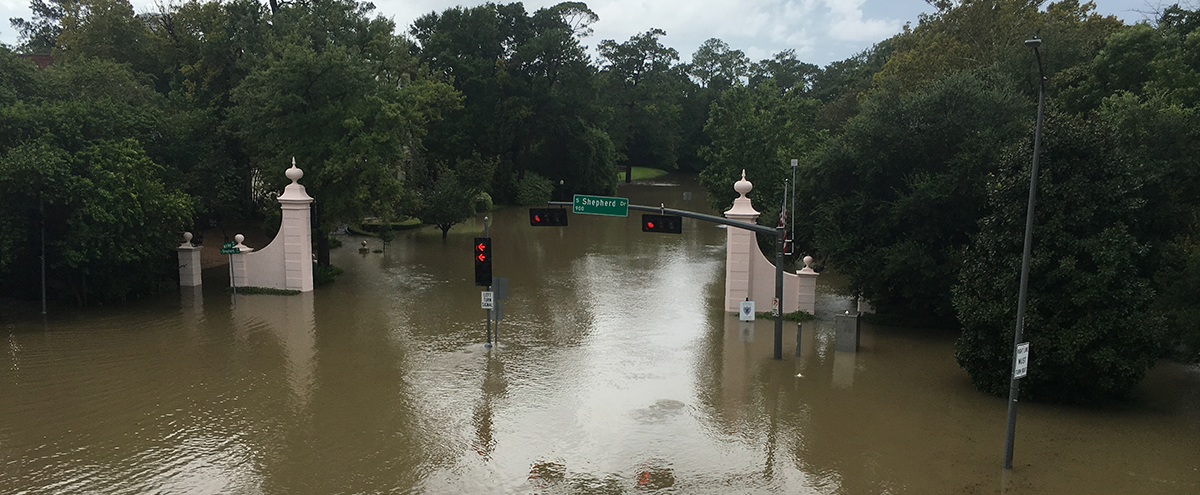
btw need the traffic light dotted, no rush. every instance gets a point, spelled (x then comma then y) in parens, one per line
(548, 217)
(666, 224)
(483, 261)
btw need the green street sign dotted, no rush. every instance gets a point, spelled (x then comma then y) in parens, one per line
(228, 245)
(230, 250)
(600, 205)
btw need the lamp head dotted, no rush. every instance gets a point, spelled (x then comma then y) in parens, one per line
(1033, 43)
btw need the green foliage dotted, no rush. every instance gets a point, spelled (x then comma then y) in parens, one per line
(717, 65)
(483, 202)
(760, 131)
(40, 33)
(533, 190)
(975, 34)
(324, 274)
(71, 155)
(897, 195)
(531, 102)
(1178, 297)
(642, 86)
(1088, 322)
(268, 291)
(447, 202)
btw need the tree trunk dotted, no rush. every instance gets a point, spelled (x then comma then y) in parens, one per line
(445, 229)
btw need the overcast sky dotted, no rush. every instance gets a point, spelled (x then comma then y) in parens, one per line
(821, 31)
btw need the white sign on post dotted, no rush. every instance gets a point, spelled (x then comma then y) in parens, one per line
(774, 307)
(489, 300)
(1021, 361)
(746, 312)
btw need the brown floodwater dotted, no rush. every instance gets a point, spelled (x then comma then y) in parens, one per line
(616, 371)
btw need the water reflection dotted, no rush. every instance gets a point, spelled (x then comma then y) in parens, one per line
(292, 323)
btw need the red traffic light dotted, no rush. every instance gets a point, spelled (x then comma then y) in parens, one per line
(483, 261)
(665, 224)
(548, 217)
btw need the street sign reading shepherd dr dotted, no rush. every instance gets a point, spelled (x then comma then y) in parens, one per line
(600, 205)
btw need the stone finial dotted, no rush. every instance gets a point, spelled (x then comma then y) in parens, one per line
(743, 186)
(294, 173)
(239, 238)
(808, 262)
(187, 240)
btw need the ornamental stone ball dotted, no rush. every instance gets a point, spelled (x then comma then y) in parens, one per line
(808, 262)
(239, 238)
(187, 237)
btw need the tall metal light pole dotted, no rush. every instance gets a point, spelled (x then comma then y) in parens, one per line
(1014, 383)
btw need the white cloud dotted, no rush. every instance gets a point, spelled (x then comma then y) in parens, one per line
(821, 31)
(846, 22)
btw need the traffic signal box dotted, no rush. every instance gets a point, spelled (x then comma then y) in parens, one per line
(483, 261)
(666, 224)
(548, 217)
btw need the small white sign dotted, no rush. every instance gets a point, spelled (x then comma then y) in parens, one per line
(746, 312)
(489, 300)
(1021, 361)
(774, 307)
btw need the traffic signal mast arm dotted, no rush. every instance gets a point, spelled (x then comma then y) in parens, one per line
(698, 216)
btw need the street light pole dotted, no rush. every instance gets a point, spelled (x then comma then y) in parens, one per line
(1014, 382)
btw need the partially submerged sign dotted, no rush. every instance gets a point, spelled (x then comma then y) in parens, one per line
(746, 311)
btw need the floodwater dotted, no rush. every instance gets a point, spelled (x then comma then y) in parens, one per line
(616, 371)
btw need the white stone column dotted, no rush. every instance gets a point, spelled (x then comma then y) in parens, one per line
(237, 263)
(806, 297)
(189, 262)
(296, 231)
(740, 244)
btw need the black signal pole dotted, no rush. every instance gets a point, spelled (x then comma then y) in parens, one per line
(1014, 382)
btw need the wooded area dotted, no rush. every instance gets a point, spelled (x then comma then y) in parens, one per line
(914, 155)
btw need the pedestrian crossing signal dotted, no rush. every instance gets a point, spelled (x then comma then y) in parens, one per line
(666, 224)
(548, 217)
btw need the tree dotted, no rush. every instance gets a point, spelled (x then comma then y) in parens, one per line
(350, 105)
(39, 34)
(447, 202)
(643, 86)
(1087, 319)
(788, 73)
(760, 131)
(716, 65)
(71, 161)
(527, 81)
(897, 195)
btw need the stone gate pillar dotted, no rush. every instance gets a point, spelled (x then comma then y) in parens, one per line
(740, 244)
(296, 231)
(189, 262)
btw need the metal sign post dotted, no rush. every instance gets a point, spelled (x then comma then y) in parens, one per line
(228, 248)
